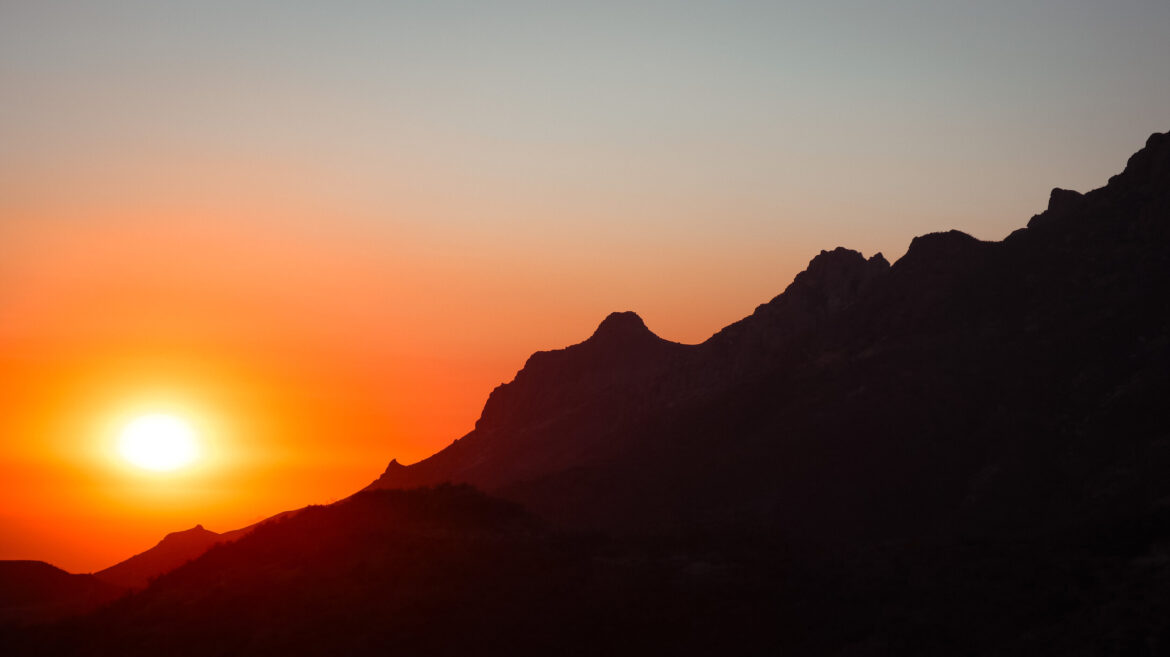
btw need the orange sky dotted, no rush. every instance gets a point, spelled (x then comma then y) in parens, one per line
(306, 357)
(324, 235)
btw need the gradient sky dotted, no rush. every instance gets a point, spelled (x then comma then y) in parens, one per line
(325, 231)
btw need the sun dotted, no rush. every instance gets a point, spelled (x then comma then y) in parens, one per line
(158, 442)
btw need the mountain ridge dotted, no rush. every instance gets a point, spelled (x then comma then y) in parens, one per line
(845, 315)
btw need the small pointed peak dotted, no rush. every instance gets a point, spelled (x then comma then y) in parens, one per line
(393, 468)
(879, 261)
(197, 529)
(621, 325)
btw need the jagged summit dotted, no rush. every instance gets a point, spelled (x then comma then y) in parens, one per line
(828, 260)
(836, 277)
(833, 281)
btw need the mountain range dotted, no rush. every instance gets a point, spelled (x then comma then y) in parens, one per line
(964, 452)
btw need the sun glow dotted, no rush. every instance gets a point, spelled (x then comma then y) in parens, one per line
(158, 442)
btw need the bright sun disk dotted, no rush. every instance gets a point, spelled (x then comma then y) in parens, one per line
(158, 442)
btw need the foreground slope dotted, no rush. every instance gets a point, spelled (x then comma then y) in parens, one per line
(427, 571)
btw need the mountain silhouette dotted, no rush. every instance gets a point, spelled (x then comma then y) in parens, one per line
(579, 393)
(964, 452)
(174, 550)
(971, 380)
(34, 591)
(443, 570)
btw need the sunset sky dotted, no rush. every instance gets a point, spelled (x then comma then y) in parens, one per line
(321, 233)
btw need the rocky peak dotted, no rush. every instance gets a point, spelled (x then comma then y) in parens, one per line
(624, 326)
(834, 279)
(840, 259)
(393, 466)
(1149, 165)
(196, 533)
(1061, 200)
(938, 250)
(933, 244)
(619, 359)
(1146, 176)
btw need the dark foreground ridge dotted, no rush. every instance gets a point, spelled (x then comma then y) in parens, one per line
(964, 452)
(34, 591)
(172, 551)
